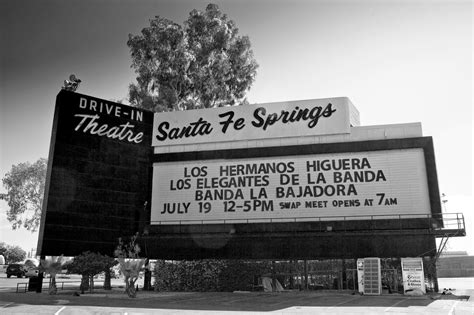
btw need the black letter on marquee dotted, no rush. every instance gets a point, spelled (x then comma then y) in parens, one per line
(162, 130)
(228, 121)
(257, 116)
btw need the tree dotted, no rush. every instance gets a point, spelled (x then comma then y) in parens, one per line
(88, 265)
(25, 190)
(199, 65)
(12, 254)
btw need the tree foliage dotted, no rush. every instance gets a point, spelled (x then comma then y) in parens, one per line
(89, 264)
(127, 248)
(25, 190)
(3, 248)
(12, 253)
(202, 64)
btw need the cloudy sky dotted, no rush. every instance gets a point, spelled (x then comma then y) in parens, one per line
(398, 61)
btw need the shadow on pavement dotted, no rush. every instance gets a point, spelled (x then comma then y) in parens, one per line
(217, 301)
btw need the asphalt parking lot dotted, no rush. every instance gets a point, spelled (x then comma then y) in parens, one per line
(292, 302)
(218, 303)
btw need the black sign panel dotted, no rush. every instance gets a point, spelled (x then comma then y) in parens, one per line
(99, 175)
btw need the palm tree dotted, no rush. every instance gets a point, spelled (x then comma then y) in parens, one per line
(130, 263)
(52, 266)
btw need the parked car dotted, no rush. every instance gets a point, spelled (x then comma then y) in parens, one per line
(15, 270)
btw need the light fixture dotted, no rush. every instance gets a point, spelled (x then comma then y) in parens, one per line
(72, 84)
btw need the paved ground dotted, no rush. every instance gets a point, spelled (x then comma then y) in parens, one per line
(315, 302)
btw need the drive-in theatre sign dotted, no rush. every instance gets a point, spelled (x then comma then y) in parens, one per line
(295, 179)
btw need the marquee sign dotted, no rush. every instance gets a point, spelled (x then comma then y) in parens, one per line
(389, 182)
(251, 122)
(104, 181)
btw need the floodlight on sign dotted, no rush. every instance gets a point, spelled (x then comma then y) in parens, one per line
(72, 84)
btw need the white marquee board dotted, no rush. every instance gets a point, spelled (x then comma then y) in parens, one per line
(390, 182)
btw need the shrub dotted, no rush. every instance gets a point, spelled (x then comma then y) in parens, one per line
(207, 275)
